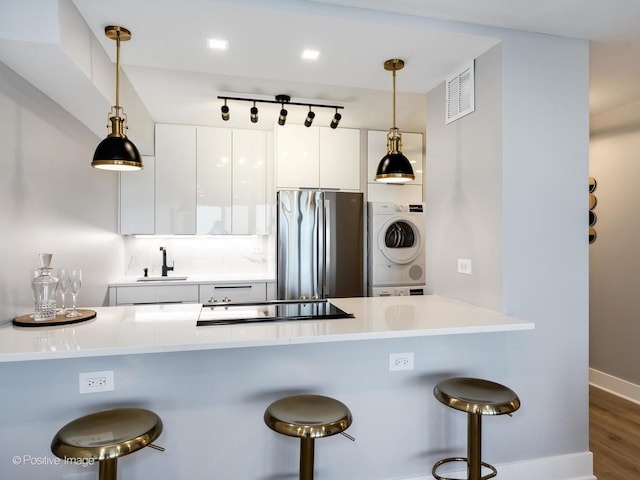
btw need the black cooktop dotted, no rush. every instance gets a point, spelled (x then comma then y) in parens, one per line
(273, 311)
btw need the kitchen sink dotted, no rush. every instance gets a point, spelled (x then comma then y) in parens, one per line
(160, 279)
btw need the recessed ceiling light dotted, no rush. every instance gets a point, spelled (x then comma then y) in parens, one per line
(218, 43)
(309, 54)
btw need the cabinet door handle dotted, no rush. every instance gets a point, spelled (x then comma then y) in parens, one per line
(232, 286)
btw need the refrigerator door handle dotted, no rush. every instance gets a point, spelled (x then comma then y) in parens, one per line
(326, 251)
(318, 251)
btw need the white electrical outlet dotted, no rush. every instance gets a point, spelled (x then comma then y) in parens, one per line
(93, 382)
(464, 266)
(400, 361)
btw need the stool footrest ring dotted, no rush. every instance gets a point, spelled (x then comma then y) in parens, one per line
(439, 463)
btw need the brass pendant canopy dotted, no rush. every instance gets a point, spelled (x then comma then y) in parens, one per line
(394, 166)
(117, 152)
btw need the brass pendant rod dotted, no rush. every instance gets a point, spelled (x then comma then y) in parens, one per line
(394, 64)
(117, 72)
(394, 99)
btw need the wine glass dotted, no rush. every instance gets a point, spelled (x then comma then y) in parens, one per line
(75, 277)
(64, 286)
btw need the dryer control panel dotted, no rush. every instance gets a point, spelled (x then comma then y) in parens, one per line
(388, 208)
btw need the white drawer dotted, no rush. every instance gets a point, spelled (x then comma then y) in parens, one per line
(233, 292)
(157, 294)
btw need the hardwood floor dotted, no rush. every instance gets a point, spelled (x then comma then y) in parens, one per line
(614, 436)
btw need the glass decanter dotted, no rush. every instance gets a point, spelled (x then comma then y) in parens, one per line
(44, 288)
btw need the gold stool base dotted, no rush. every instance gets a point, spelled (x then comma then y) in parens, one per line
(476, 397)
(437, 465)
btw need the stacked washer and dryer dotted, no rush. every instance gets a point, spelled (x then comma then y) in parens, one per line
(396, 259)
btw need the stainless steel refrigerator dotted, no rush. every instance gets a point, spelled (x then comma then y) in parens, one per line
(320, 244)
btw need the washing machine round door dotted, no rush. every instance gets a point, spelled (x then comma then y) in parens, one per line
(399, 240)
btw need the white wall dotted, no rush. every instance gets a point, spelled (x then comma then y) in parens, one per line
(614, 327)
(536, 231)
(463, 194)
(545, 249)
(52, 200)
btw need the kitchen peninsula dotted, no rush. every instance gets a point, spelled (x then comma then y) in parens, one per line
(211, 384)
(126, 330)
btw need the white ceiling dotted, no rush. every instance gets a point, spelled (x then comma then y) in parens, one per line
(178, 77)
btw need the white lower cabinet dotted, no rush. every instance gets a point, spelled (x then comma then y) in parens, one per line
(232, 292)
(144, 294)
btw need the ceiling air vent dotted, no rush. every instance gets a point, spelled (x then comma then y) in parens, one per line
(460, 93)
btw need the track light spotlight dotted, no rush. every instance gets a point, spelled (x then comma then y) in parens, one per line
(335, 120)
(282, 119)
(254, 113)
(310, 116)
(225, 111)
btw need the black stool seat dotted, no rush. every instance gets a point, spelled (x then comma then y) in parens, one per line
(476, 397)
(107, 435)
(308, 417)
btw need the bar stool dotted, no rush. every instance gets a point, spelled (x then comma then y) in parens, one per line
(104, 436)
(477, 397)
(308, 417)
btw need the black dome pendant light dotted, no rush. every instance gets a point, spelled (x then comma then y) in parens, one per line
(394, 166)
(117, 152)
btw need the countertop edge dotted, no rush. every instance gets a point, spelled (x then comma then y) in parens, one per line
(282, 341)
(132, 330)
(191, 280)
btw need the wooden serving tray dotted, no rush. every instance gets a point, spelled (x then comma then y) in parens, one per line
(28, 321)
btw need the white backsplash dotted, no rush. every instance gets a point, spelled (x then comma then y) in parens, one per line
(201, 255)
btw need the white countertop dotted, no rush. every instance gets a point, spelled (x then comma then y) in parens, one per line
(197, 279)
(126, 330)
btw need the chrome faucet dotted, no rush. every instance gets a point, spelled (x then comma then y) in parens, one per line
(165, 268)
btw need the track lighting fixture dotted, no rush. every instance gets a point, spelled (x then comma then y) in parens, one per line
(282, 117)
(335, 120)
(225, 112)
(117, 152)
(394, 166)
(254, 113)
(310, 116)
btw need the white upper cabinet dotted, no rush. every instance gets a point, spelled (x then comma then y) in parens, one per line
(137, 200)
(340, 158)
(207, 180)
(249, 185)
(297, 157)
(214, 177)
(317, 157)
(175, 179)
